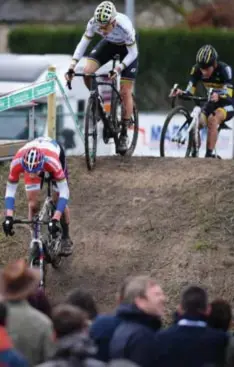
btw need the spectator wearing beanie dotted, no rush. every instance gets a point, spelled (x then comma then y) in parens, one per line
(103, 327)
(140, 316)
(191, 342)
(30, 330)
(73, 345)
(8, 355)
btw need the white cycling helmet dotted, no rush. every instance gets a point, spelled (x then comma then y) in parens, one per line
(105, 12)
(33, 160)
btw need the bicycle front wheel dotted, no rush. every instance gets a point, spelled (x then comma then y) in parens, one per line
(91, 134)
(174, 140)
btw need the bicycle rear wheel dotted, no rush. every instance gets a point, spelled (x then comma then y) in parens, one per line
(133, 128)
(91, 133)
(172, 141)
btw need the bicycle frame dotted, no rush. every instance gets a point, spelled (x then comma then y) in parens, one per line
(181, 136)
(94, 92)
(36, 241)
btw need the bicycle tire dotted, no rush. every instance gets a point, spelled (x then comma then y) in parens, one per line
(56, 260)
(190, 145)
(135, 122)
(91, 110)
(33, 262)
(171, 114)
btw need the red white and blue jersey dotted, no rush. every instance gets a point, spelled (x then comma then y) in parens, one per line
(51, 150)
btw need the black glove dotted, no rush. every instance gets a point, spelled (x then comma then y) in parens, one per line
(53, 227)
(113, 74)
(70, 73)
(8, 226)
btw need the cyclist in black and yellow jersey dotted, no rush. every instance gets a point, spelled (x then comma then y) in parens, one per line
(220, 107)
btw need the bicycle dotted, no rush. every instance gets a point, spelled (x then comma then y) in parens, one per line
(188, 131)
(112, 122)
(43, 249)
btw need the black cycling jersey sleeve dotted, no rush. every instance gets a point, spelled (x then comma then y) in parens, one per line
(193, 80)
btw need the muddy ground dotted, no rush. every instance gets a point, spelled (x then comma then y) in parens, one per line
(173, 218)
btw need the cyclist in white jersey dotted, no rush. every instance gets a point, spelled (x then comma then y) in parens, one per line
(119, 37)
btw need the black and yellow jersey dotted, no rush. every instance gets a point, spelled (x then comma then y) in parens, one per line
(220, 80)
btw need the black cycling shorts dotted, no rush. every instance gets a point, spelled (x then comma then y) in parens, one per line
(105, 51)
(226, 106)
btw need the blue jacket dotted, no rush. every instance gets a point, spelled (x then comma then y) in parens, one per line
(134, 338)
(101, 331)
(9, 357)
(190, 345)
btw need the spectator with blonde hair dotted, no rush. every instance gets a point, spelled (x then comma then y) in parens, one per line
(140, 315)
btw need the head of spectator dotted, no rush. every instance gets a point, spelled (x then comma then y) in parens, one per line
(146, 294)
(18, 280)
(40, 301)
(74, 347)
(68, 319)
(194, 302)
(84, 300)
(121, 291)
(220, 316)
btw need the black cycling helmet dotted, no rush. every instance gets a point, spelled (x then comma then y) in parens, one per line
(206, 56)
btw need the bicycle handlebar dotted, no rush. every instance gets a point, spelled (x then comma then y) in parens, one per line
(26, 221)
(91, 75)
(187, 97)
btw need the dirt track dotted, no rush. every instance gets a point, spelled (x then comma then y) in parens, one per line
(171, 217)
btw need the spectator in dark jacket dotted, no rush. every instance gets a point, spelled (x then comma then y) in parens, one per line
(9, 357)
(220, 316)
(140, 316)
(191, 342)
(103, 327)
(73, 347)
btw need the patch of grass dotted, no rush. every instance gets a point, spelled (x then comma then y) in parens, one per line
(201, 246)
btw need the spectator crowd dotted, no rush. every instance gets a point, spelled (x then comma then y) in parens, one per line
(73, 333)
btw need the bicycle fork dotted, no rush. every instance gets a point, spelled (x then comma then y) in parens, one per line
(181, 135)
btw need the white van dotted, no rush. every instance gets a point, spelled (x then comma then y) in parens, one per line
(19, 71)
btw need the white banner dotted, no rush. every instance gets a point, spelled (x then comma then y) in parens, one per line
(150, 127)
